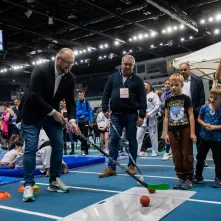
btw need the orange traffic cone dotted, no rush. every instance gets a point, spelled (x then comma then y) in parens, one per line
(4, 196)
(36, 189)
(209, 155)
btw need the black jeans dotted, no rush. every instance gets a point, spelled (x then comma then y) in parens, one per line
(205, 146)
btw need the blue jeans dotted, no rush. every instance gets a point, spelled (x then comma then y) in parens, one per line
(120, 121)
(31, 136)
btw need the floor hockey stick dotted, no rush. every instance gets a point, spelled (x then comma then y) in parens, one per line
(127, 150)
(160, 186)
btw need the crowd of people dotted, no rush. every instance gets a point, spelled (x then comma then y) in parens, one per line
(49, 113)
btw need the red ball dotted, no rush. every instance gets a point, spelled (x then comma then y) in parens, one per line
(151, 191)
(145, 201)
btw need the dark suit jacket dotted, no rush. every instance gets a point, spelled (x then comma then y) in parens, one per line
(39, 101)
(197, 92)
(17, 112)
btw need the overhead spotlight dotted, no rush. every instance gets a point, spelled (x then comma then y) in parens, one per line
(13, 80)
(210, 19)
(161, 44)
(124, 52)
(80, 52)
(182, 39)
(202, 21)
(164, 31)
(5, 70)
(116, 42)
(146, 35)
(28, 13)
(105, 56)
(191, 37)
(52, 58)
(75, 52)
(33, 63)
(169, 29)
(50, 21)
(85, 61)
(216, 31)
(181, 26)
(153, 34)
(135, 38)
(131, 51)
(89, 49)
(140, 36)
(130, 39)
(106, 45)
(100, 57)
(82, 61)
(76, 62)
(152, 46)
(101, 46)
(218, 17)
(175, 28)
(84, 51)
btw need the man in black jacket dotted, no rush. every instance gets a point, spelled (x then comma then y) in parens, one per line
(50, 83)
(128, 105)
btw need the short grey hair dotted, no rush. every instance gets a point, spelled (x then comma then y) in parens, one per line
(128, 56)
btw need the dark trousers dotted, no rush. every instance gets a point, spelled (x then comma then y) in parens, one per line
(84, 130)
(205, 146)
(182, 148)
(121, 121)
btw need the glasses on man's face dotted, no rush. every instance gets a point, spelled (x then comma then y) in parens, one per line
(67, 62)
(183, 70)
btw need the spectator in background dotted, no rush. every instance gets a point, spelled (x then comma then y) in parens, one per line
(84, 119)
(103, 124)
(218, 73)
(18, 118)
(167, 94)
(150, 121)
(193, 87)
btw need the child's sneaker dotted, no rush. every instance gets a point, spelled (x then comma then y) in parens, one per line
(178, 185)
(187, 185)
(217, 183)
(58, 186)
(198, 180)
(165, 156)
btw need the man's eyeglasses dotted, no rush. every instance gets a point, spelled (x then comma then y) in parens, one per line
(183, 69)
(128, 64)
(66, 62)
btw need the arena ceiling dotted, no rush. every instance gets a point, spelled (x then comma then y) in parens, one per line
(101, 31)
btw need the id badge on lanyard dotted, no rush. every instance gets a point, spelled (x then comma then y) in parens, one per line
(124, 92)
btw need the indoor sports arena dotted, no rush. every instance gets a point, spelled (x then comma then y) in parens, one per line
(110, 110)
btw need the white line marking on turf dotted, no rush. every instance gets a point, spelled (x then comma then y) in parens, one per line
(158, 158)
(149, 165)
(30, 212)
(122, 174)
(115, 191)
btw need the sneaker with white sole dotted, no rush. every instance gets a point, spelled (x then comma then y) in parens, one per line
(154, 154)
(58, 186)
(142, 154)
(165, 156)
(28, 194)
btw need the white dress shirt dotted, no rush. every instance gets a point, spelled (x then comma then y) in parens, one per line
(56, 85)
(186, 87)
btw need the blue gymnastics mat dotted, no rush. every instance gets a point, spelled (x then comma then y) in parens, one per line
(6, 180)
(71, 161)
